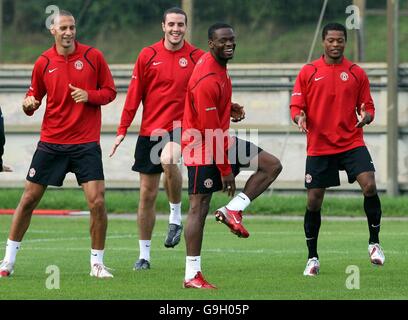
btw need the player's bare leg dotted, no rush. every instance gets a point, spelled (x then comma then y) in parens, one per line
(170, 158)
(267, 167)
(146, 216)
(193, 235)
(95, 197)
(32, 195)
(172, 181)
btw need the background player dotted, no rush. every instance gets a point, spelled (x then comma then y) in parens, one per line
(159, 81)
(331, 102)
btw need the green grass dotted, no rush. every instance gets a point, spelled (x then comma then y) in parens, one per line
(266, 266)
(270, 43)
(268, 204)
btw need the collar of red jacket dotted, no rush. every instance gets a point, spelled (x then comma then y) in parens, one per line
(72, 55)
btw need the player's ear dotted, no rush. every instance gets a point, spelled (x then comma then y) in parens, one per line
(210, 44)
(163, 27)
(52, 29)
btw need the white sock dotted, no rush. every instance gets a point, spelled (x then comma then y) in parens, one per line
(96, 256)
(193, 265)
(144, 246)
(175, 213)
(11, 250)
(239, 203)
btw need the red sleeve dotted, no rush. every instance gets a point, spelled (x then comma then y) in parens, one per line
(297, 102)
(206, 100)
(134, 95)
(106, 91)
(365, 96)
(37, 87)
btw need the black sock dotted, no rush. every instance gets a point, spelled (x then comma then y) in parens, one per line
(312, 225)
(372, 208)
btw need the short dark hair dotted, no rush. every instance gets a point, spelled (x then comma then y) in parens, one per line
(334, 26)
(62, 13)
(215, 27)
(174, 10)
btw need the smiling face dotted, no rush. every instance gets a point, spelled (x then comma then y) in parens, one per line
(222, 45)
(174, 28)
(64, 32)
(334, 44)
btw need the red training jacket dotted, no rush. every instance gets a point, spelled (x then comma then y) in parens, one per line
(67, 122)
(207, 107)
(159, 80)
(330, 95)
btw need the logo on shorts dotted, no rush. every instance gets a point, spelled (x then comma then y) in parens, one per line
(308, 178)
(31, 173)
(78, 65)
(344, 76)
(183, 62)
(208, 183)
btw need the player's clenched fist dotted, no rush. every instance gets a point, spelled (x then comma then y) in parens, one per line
(30, 104)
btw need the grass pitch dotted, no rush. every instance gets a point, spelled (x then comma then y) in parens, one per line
(266, 266)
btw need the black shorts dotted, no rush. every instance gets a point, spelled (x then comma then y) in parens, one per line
(207, 179)
(148, 151)
(51, 162)
(323, 171)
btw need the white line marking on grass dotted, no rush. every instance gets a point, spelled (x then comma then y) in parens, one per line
(76, 238)
(130, 216)
(223, 251)
(161, 235)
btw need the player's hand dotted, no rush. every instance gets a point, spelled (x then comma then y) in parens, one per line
(228, 184)
(301, 122)
(363, 118)
(7, 168)
(30, 104)
(79, 95)
(118, 141)
(237, 112)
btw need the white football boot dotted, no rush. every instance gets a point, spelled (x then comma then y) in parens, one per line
(376, 254)
(312, 267)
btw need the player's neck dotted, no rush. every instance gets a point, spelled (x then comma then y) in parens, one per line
(173, 47)
(329, 60)
(65, 51)
(222, 62)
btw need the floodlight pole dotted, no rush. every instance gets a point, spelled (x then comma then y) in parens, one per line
(359, 44)
(392, 98)
(1, 30)
(188, 7)
(319, 24)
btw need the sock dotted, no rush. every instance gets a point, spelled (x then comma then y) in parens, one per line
(312, 225)
(193, 265)
(239, 202)
(372, 208)
(144, 246)
(175, 213)
(11, 250)
(96, 256)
